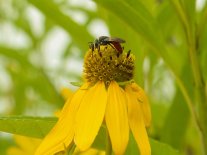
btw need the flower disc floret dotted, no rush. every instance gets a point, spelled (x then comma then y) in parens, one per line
(107, 64)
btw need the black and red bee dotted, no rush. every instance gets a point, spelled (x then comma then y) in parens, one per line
(104, 40)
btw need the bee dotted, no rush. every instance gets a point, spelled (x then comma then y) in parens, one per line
(104, 40)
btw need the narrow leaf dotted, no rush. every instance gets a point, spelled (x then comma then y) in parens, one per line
(157, 147)
(36, 127)
(176, 123)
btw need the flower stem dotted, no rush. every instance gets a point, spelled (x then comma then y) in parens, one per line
(71, 150)
(202, 108)
(108, 145)
(200, 97)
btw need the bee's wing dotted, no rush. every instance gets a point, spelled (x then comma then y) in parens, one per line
(103, 38)
(117, 46)
(115, 39)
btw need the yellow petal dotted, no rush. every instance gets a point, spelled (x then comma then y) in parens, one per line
(136, 122)
(16, 151)
(62, 133)
(143, 100)
(116, 118)
(66, 93)
(90, 116)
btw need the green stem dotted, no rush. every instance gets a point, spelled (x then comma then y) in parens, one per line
(71, 150)
(202, 24)
(200, 93)
(202, 109)
(108, 145)
(188, 100)
(200, 97)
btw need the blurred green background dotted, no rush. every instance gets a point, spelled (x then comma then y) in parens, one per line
(42, 46)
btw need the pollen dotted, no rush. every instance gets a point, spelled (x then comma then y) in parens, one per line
(107, 64)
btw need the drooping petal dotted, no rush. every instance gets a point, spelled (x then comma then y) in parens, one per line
(62, 133)
(136, 122)
(90, 116)
(144, 103)
(116, 118)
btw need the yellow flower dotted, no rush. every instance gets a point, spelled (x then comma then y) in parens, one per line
(108, 97)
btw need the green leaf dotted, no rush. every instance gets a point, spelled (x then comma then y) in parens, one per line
(190, 8)
(141, 8)
(24, 77)
(157, 147)
(78, 84)
(177, 120)
(36, 127)
(186, 13)
(138, 19)
(51, 10)
(17, 55)
(4, 144)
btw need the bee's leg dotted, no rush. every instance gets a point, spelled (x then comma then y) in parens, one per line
(98, 48)
(128, 53)
(112, 46)
(100, 54)
(105, 48)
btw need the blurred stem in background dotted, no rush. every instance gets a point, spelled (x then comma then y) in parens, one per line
(186, 12)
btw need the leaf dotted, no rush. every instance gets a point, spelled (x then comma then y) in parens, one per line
(140, 7)
(190, 9)
(39, 126)
(17, 55)
(78, 84)
(177, 120)
(186, 13)
(36, 127)
(157, 148)
(24, 77)
(52, 11)
(136, 19)
(4, 144)
(176, 123)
